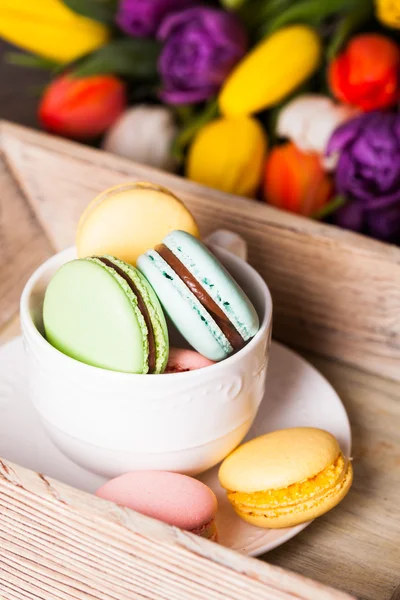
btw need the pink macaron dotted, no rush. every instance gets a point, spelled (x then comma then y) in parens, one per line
(181, 360)
(173, 498)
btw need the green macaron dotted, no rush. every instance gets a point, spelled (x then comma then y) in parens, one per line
(103, 312)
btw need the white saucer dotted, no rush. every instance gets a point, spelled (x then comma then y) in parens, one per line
(299, 394)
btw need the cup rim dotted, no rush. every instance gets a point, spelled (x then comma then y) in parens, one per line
(28, 324)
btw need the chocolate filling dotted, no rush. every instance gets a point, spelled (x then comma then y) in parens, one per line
(223, 322)
(142, 307)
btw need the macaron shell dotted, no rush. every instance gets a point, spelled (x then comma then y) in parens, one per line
(156, 313)
(78, 320)
(187, 314)
(216, 280)
(303, 511)
(208, 531)
(278, 459)
(181, 360)
(173, 498)
(127, 220)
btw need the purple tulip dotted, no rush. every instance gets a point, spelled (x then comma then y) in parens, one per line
(351, 216)
(368, 174)
(142, 18)
(201, 46)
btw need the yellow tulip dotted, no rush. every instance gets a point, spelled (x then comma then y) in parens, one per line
(228, 154)
(388, 12)
(50, 29)
(269, 73)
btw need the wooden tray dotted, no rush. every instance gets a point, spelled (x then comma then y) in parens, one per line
(335, 293)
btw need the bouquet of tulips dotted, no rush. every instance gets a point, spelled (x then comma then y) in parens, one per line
(291, 102)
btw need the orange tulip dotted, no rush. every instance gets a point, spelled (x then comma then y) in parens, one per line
(82, 108)
(367, 73)
(296, 181)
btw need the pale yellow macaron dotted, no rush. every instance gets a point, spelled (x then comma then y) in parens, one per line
(286, 477)
(128, 219)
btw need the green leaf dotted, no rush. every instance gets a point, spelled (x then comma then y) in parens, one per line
(192, 126)
(330, 208)
(36, 91)
(99, 10)
(310, 11)
(347, 25)
(142, 92)
(255, 12)
(185, 113)
(130, 58)
(232, 4)
(31, 61)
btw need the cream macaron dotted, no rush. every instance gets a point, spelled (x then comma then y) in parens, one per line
(286, 477)
(128, 219)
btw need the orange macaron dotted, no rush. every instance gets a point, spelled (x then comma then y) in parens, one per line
(286, 477)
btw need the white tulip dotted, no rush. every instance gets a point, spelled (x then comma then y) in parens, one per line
(145, 134)
(309, 121)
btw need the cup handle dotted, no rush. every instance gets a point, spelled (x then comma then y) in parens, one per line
(230, 241)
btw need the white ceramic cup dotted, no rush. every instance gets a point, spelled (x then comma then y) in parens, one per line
(111, 423)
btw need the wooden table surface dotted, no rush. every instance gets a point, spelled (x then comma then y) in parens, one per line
(355, 547)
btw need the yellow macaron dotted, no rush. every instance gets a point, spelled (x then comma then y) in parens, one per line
(128, 219)
(286, 477)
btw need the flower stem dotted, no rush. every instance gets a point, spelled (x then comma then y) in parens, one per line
(347, 25)
(20, 59)
(330, 208)
(190, 129)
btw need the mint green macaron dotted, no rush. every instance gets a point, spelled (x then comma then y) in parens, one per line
(101, 311)
(200, 297)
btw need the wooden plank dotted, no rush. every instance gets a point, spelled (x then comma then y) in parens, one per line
(23, 245)
(335, 292)
(70, 544)
(10, 330)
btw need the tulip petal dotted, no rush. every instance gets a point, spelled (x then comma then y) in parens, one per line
(271, 71)
(310, 119)
(385, 225)
(82, 108)
(142, 18)
(50, 29)
(295, 181)
(177, 97)
(351, 216)
(228, 154)
(201, 46)
(344, 135)
(366, 73)
(368, 169)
